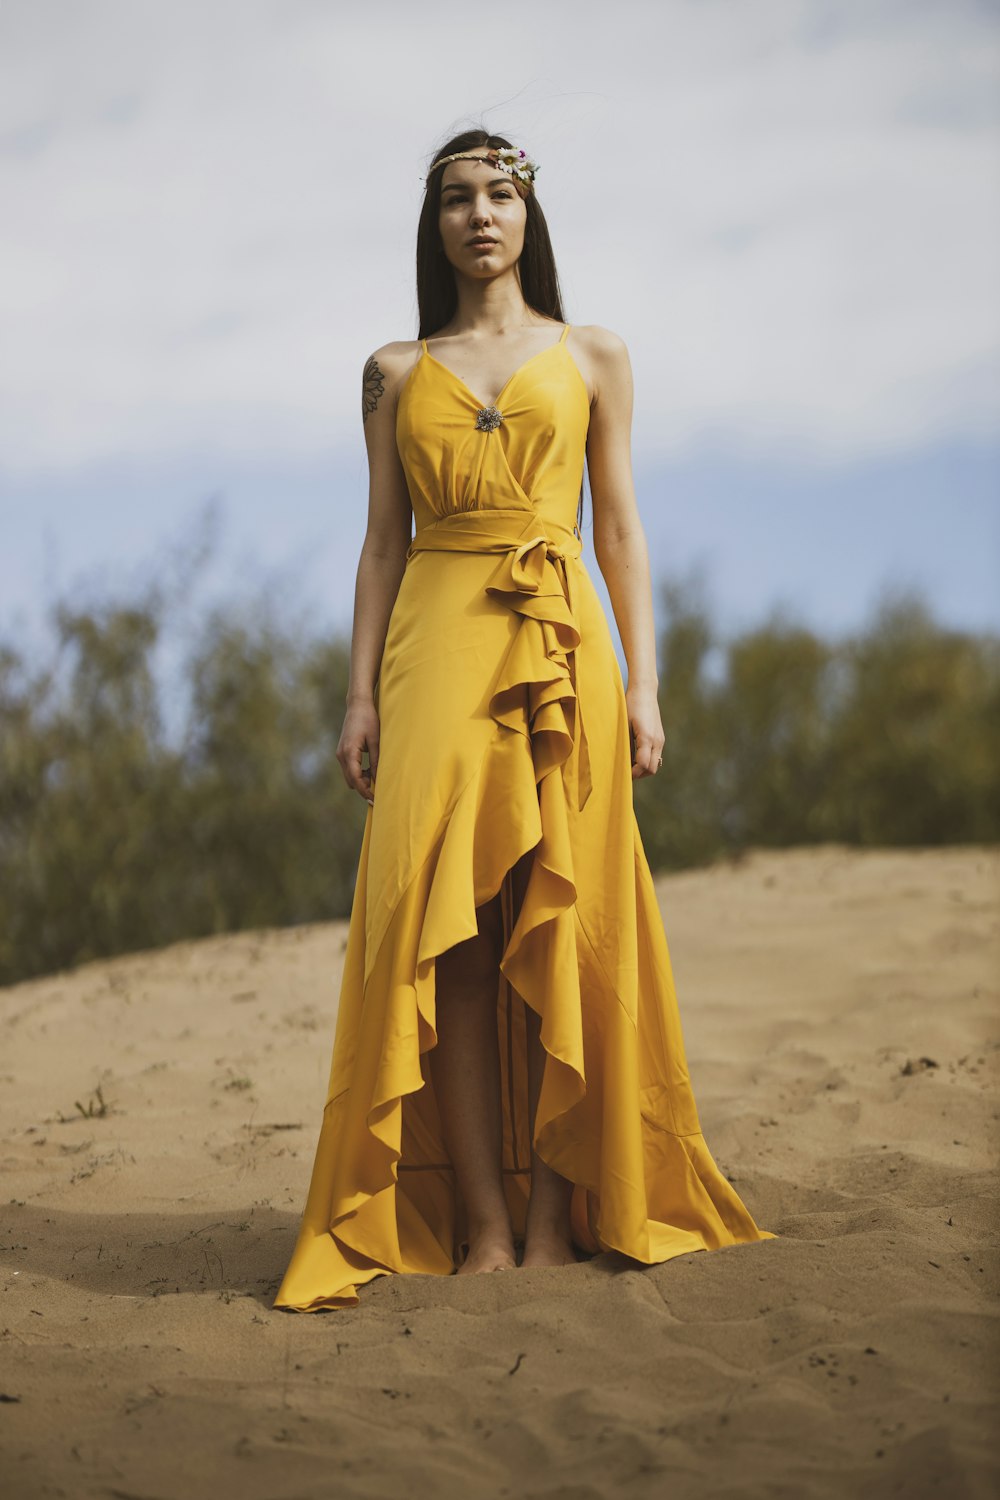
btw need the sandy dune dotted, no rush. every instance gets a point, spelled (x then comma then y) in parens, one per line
(840, 1013)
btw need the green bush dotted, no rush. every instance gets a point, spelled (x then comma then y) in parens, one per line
(888, 737)
(117, 835)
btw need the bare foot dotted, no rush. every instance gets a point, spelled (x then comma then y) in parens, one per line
(490, 1251)
(548, 1249)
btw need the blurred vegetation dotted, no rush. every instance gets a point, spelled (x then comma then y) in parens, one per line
(117, 834)
(890, 736)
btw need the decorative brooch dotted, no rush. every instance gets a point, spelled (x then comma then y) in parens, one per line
(488, 419)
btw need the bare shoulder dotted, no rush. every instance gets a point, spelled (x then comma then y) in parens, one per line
(393, 360)
(603, 358)
(385, 370)
(601, 344)
(399, 352)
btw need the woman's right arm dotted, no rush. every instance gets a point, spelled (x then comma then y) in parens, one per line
(382, 561)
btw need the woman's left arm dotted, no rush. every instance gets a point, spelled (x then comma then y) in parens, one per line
(619, 539)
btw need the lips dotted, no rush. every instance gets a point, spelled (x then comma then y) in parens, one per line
(481, 244)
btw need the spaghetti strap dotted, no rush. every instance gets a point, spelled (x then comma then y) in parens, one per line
(566, 329)
(423, 345)
(499, 664)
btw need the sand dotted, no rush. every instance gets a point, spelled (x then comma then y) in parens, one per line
(840, 1014)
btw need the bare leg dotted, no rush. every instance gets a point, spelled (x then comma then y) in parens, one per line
(548, 1240)
(466, 1072)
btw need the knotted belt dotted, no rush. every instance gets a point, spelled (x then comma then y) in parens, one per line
(536, 692)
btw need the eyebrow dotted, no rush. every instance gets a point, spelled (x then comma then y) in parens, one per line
(494, 182)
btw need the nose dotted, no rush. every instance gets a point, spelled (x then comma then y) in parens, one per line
(480, 212)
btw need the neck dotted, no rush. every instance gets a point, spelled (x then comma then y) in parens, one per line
(492, 307)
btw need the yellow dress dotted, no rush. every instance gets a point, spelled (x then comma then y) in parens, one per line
(503, 729)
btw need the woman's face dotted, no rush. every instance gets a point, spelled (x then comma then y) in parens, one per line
(482, 219)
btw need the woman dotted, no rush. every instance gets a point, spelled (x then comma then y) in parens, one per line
(508, 1068)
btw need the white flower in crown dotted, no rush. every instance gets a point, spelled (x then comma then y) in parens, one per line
(517, 162)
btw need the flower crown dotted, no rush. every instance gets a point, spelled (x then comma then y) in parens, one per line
(510, 159)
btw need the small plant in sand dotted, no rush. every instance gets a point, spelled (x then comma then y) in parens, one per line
(95, 1108)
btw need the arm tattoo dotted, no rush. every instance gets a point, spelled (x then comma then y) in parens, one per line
(372, 389)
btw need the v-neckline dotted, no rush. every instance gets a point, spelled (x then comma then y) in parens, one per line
(486, 405)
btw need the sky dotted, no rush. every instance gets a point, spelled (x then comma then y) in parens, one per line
(789, 209)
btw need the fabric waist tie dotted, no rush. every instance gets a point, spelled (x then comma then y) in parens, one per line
(536, 693)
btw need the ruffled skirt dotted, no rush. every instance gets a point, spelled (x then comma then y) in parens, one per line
(504, 734)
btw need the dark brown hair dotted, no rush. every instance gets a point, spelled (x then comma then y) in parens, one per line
(437, 298)
(436, 295)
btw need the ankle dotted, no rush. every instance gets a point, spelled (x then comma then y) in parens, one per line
(490, 1225)
(549, 1227)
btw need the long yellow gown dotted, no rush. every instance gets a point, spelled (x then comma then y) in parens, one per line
(503, 729)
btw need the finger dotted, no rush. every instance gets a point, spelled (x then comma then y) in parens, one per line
(646, 758)
(346, 771)
(355, 772)
(640, 766)
(366, 777)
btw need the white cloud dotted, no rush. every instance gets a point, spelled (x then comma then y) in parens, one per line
(789, 210)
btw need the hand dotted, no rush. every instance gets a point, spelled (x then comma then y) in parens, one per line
(644, 717)
(360, 732)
